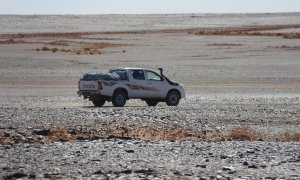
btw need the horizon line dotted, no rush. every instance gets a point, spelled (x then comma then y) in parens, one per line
(79, 14)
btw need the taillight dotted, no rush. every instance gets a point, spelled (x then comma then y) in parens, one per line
(100, 87)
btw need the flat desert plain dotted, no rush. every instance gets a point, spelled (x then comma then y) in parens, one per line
(240, 118)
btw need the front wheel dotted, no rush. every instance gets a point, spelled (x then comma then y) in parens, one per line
(173, 98)
(119, 99)
(151, 102)
(98, 102)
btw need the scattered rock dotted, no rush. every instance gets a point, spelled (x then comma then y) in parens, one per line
(245, 163)
(41, 132)
(250, 151)
(129, 151)
(16, 175)
(253, 166)
(98, 172)
(201, 166)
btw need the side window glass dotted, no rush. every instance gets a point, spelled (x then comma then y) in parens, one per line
(138, 74)
(121, 73)
(153, 76)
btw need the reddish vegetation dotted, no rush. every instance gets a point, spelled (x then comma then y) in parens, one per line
(224, 44)
(285, 47)
(100, 45)
(253, 31)
(82, 47)
(147, 133)
(57, 43)
(12, 41)
(86, 48)
(48, 35)
(246, 30)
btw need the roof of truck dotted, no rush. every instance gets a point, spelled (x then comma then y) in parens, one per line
(130, 68)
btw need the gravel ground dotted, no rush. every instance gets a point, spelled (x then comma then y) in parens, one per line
(264, 115)
(136, 159)
(126, 159)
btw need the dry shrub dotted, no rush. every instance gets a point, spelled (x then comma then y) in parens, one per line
(60, 134)
(290, 137)
(214, 136)
(242, 134)
(291, 36)
(144, 133)
(54, 50)
(45, 48)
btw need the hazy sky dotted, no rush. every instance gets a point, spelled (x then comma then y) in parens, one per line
(145, 6)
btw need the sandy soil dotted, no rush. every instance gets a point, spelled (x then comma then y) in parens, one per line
(242, 83)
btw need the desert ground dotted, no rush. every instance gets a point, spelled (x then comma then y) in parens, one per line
(240, 118)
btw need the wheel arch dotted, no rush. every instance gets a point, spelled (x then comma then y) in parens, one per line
(173, 89)
(122, 90)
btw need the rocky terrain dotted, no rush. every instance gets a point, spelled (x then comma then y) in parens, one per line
(193, 140)
(134, 159)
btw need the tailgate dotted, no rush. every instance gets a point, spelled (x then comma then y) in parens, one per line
(90, 85)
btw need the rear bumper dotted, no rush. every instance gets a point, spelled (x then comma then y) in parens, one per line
(87, 94)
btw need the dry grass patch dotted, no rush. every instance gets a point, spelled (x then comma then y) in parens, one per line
(242, 134)
(143, 133)
(290, 137)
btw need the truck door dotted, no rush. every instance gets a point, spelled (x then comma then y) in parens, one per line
(156, 84)
(138, 84)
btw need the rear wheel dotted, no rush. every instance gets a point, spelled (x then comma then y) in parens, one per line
(173, 98)
(151, 102)
(119, 99)
(98, 102)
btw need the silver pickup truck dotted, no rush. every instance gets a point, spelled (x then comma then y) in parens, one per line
(131, 83)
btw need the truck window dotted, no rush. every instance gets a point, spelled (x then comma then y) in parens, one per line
(138, 74)
(152, 76)
(121, 73)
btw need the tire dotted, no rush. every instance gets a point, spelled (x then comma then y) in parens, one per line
(173, 98)
(151, 102)
(119, 99)
(99, 102)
